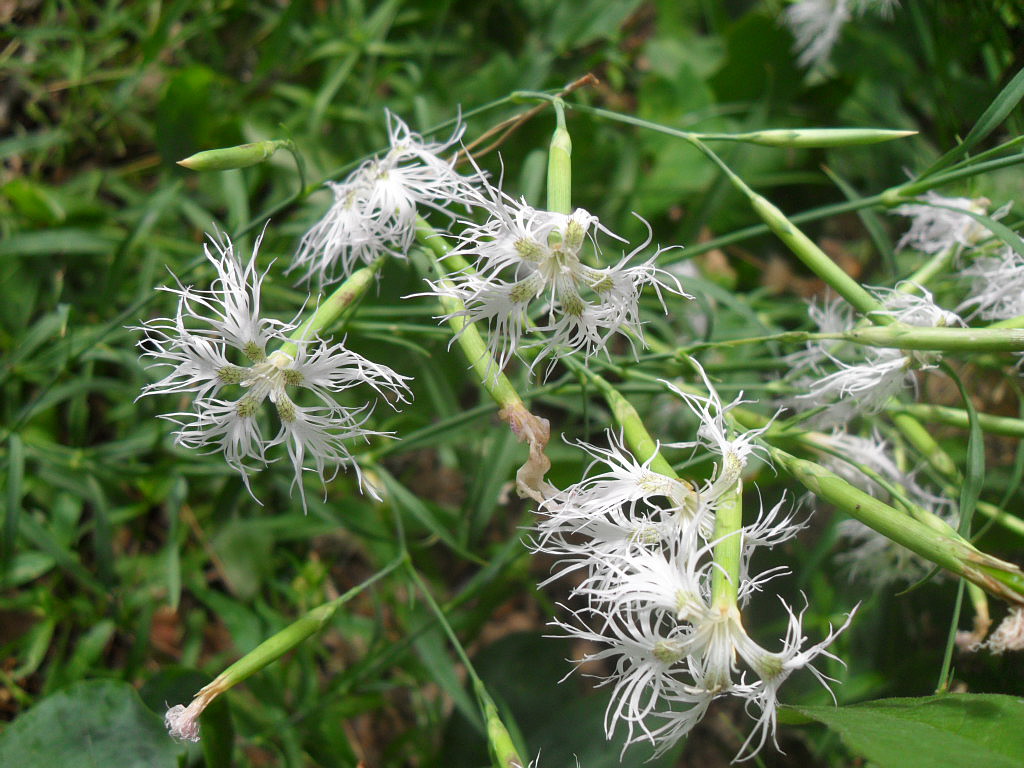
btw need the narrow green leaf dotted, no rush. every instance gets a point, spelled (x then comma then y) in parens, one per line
(172, 506)
(29, 142)
(399, 495)
(868, 217)
(15, 478)
(990, 119)
(43, 540)
(998, 229)
(430, 646)
(52, 242)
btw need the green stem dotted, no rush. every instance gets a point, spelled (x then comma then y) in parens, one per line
(1006, 426)
(725, 577)
(936, 265)
(902, 336)
(274, 647)
(802, 246)
(640, 442)
(503, 750)
(955, 554)
(333, 307)
(472, 344)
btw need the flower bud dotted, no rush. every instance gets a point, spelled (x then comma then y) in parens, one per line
(823, 137)
(227, 158)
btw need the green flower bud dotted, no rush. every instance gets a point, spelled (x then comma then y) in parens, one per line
(822, 137)
(227, 158)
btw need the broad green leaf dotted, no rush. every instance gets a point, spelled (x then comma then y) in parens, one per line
(950, 731)
(86, 725)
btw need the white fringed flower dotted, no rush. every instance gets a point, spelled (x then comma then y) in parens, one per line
(217, 343)
(716, 437)
(816, 24)
(774, 668)
(375, 208)
(997, 286)
(934, 227)
(640, 548)
(920, 311)
(847, 380)
(521, 255)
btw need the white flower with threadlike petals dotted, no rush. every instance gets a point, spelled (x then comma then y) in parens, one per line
(863, 385)
(215, 328)
(610, 516)
(542, 255)
(997, 286)
(934, 227)
(816, 24)
(643, 652)
(920, 311)
(714, 435)
(641, 551)
(773, 669)
(376, 207)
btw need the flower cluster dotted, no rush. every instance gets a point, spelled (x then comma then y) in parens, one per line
(868, 378)
(376, 207)
(640, 545)
(521, 254)
(217, 343)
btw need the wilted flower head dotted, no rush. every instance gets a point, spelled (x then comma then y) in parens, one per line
(375, 208)
(218, 343)
(1009, 635)
(521, 255)
(934, 227)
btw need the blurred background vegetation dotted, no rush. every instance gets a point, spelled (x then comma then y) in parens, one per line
(130, 560)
